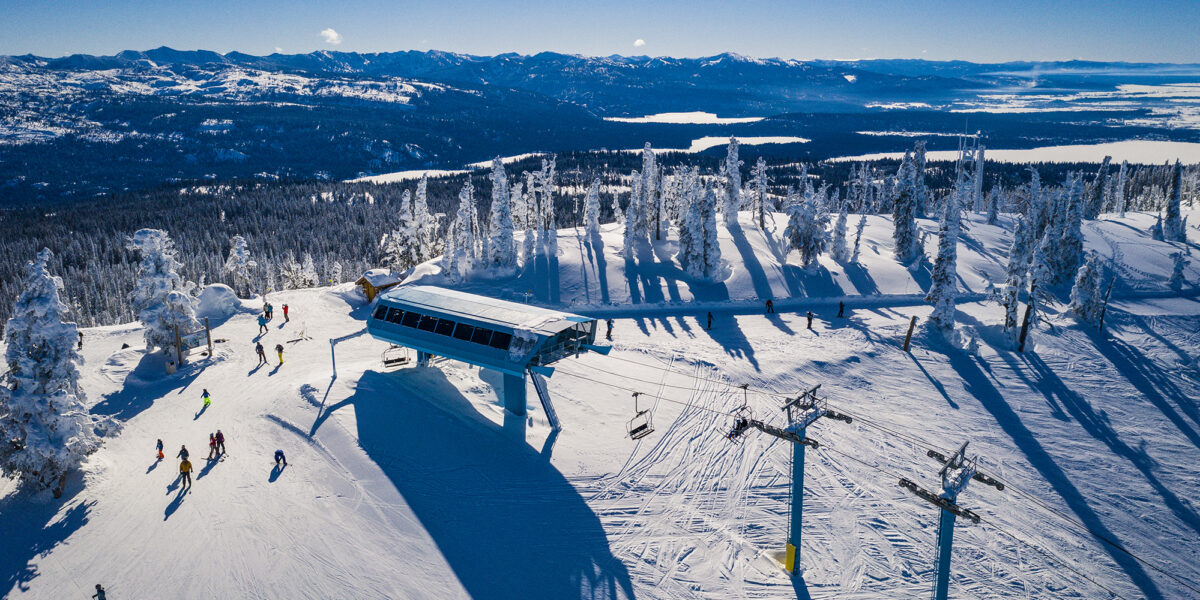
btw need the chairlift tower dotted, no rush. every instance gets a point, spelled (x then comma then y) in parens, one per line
(957, 471)
(802, 411)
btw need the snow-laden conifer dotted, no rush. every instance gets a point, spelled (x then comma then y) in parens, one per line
(502, 245)
(858, 231)
(239, 265)
(839, 252)
(425, 225)
(1086, 297)
(1173, 226)
(921, 190)
(45, 428)
(459, 259)
(591, 208)
(161, 298)
(731, 171)
(758, 187)
(402, 247)
(806, 230)
(944, 287)
(1041, 278)
(1119, 190)
(1179, 263)
(907, 248)
(1069, 244)
(1020, 255)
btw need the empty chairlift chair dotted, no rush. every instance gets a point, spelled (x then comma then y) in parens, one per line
(396, 356)
(641, 424)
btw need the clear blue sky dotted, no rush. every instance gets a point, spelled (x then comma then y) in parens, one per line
(976, 30)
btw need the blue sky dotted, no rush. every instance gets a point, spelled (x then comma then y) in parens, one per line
(1154, 30)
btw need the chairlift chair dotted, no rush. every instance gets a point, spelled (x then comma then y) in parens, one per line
(396, 356)
(741, 417)
(640, 425)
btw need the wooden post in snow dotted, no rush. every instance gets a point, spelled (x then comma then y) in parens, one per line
(178, 348)
(908, 338)
(208, 332)
(1104, 310)
(1024, 327)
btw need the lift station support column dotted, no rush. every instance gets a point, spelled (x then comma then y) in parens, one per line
(792, 559)
(514, 394)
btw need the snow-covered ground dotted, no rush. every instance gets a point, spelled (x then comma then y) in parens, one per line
(1134, 151)
(412, 483)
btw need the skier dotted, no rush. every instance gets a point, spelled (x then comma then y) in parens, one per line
(841, 310)
(262, 323)
(279, 350)
(206, 397)
(212, 446)
(185, 472)
(810, 319)
(183, 453)
(220, 437)
(279, 456)
(285, 315)
(262, 354)
(81, 340)
(270, 311)
(608, 335)
(770, 307)
(160, 454)
(99, 595)
(710, 320)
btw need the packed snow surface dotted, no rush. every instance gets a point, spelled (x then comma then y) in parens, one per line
(1134, 151)
(413, 482)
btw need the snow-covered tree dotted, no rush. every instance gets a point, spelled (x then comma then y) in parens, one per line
(1086, 297)
(1119, 190)
(459, 259)
(993, 201)
(239, 264)
(45, 428)
(651, 194)
(1179, 264)
(731, 171)
(402, 248)
(631, 236)
(1041, 278)
(1173, 226)
(425, 225)
(1069, 245)
(921, 190)
(858, 231)
(591, 208)
(502, 245)
(758, 186)
(1020, 255)
(904, 233)
(699, 251)
(806, 229)
(839, 252)
(161, 298)
(308, 273)
(1094, 191)
(944, 287)
(977, 179)
(618, 214)
(335, 273)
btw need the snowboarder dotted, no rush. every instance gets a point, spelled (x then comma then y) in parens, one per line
(183, 453)
(185, 472)
(285, 315)
(280, 457)
(262, 323)
(160, 452)
(608, 334)
(710, 320)
(207, 399)
(220, 437)
(279, 350)
(770, 307)
(99, 595)
(212, 446)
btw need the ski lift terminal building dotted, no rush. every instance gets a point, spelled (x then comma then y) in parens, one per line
(509, 337)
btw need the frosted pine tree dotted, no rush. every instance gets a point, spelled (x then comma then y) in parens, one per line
(921, 191)
(425, 225)
(707, 265)
(591, 209)
(402, 247)
(731, 170)
(945, 267)
(502, 246)
(758, 186)
(858, 231)
(1020, 254)
(1179, 264)
(618, 214)
(806, 230)
(907, 246)
(651, 194)
(1120, 188)
(1041, 278)
(308, 273)
(1069, 246)
(459, 259)
(1085, 295)
(993, 206)
(631, 237)
(239, 264)
(161, 298)
(839, 252)
(45, 428)
(1173, 227)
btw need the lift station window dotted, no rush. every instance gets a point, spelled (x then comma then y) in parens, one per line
(427, 323)
(395, 315)
(500, 340)
(411, 319)
(482, 335)
(381, 311)
(444, 327)
(463, 332)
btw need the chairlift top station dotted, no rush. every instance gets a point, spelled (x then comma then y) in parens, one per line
(512, 338)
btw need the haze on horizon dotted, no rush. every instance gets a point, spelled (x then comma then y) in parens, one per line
(973, 30)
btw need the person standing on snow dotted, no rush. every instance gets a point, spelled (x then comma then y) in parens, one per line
(270, 311)
(160, 454)
(770, 307)
(709, 321)
(279, 456)
(212, 446)
(262, 323)
(279, 350)
(206, 397)
(220, 437)
(608, 334)
(185, 472)
(99, 595)
(285, 315)
(262, 354)
(183, 453)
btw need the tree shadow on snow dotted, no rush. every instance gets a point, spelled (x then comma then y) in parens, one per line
(758, 276)
(726, 332)
(143, 385)
(32, 529)
(981, 388)
(595, 249)
(506, 521)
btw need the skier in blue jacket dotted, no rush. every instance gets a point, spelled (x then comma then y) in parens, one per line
(280, 457)
(262, 323)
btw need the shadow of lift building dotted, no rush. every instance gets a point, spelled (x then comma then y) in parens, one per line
(517, 340)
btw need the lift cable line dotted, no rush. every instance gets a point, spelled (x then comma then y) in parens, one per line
(1083, 528)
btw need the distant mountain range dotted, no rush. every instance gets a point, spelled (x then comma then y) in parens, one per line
(84, 124)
